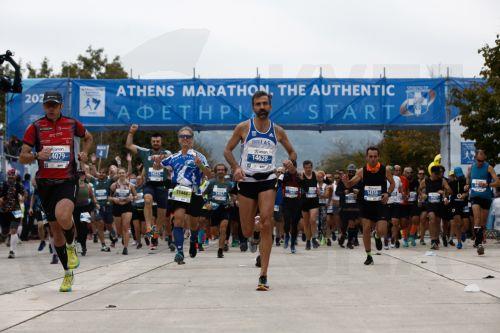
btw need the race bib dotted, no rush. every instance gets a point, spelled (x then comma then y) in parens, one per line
(276, 208)
(101, 194)
(122, 193)
(350, 198)
(259, 159)
(182, 194)
(85, 217)
(140, 198)
(291, 192)
(311, 193)
(466, 209)
(412, 197)
(155, 175)
(219, 194)
(476, 187)
(17, 214)
(59, 157)
(329, 210)
(373, 193)
(434, 197)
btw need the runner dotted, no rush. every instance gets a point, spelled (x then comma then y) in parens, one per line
(255, 173)
(291, 205)
(394, 206)
(122, 194)
(56, 176)
(218, 197)
(11, 196)
(480, 178)
(157, 181)
(310, 204)
(434, 191)
(324, 194)
(138, 219)
(458, 203)
(349, 207)
(85, 202)
(375, 195)
(189, 167)
(414, 208)
(104, 208)
(278, 210)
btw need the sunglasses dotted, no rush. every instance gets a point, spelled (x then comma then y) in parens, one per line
(185, 136)
(421, 173)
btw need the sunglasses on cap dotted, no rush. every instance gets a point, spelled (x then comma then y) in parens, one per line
(185, 136)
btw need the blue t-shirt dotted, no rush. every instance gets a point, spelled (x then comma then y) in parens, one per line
(184, 170)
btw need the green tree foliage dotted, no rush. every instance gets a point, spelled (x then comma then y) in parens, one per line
(409, 147)
(479, 104)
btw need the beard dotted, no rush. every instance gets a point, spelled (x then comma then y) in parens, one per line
(262, 114)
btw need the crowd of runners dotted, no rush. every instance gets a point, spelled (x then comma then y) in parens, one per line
(253, 203)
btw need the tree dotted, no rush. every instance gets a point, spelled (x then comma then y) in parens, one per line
(409, 147)
(341, 156)
(94, 64)
(479, 104)
(45, 70)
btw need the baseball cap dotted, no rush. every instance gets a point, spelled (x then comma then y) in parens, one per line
(52, 96)
(351, 167)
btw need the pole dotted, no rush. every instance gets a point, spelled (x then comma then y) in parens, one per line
(448, 116)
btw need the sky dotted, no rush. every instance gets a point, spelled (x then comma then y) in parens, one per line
(281, 38)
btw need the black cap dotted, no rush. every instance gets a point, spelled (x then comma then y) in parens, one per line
(52, 96)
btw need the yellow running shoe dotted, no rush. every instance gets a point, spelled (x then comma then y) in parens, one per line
(73, 261)
(67, 282)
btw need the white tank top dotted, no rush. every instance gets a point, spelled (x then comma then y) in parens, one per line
(259, 153)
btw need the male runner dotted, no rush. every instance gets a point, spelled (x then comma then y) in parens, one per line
(255, 173)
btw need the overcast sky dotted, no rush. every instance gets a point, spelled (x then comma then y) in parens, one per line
(282, 38)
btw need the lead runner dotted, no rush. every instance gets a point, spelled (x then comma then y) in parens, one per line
(255, 173)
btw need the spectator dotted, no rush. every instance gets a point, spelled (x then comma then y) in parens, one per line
(13, 148)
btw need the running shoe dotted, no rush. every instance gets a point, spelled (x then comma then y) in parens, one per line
(179, 258)
(257, 261)
(95, 238)
(378, 242)
(451, 242)
(125, 251)
(459, 245)
(434, 245)
(397, 244)
(303, 237)
(315, 243)
(292, 248)
(328, 242)
(153, 247)
(234, 243)
(422, 242)
(226, 247)
(480, 250)
(55, 259)
(253, 245)
(73, 261)
(200, 247)
(445, 241)
(405, 243)
(369, 260)
(287, 240)
(244, 246)
(192, 249)
(50, 249)
(84, 252)
(12, 255)
(139, 246)
(334, 237)
(464, 236)
(308, 245)
(41, 246)
(341, 240)
(263, 286)
(220, 253)
(277, 241)
(67, 282)
(349, 245)
(413, 241)
(356, 241)
(146, 240)
(171, 247)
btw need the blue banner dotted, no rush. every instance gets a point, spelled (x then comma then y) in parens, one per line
(101, 151)
(315, 104)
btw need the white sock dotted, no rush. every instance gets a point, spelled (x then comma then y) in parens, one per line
(13, 242)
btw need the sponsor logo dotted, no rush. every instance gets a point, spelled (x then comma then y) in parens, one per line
(418, 101)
